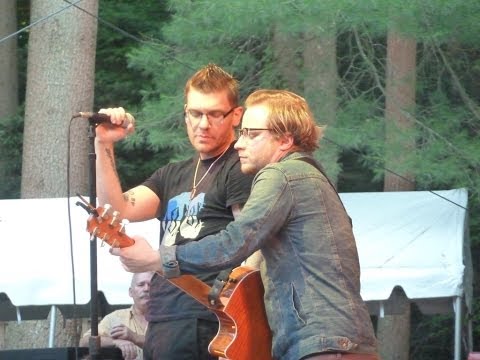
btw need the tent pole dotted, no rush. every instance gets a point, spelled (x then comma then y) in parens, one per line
(51, 332)
(457, 308)
(19, 315)
(470, 337)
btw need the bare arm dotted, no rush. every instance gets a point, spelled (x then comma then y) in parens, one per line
(236, 210)
(104, 341)
(137, 204)
(123, 338)
(138, 340)
(123, 332)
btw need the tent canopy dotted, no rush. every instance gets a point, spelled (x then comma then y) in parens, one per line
(415, 240)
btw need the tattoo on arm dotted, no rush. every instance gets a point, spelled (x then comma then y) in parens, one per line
(129, 196)
(112, 161)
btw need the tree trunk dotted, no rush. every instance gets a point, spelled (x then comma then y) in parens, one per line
(60, 82)
(285, 49)
(8, 73)
(393, 330)
(399, 108)
(320, 82)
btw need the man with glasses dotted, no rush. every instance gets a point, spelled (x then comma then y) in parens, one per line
(192, 199)
(294, 216)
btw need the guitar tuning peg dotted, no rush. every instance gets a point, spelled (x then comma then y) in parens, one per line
(106, 209)
(94, 233)
(105, 238)
(115, 216)
(124, 223)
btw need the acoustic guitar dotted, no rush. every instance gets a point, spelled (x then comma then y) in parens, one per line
(243, 333)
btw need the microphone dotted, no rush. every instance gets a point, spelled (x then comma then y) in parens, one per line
(99, 118)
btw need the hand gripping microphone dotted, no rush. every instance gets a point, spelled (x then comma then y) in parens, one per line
(99, 118)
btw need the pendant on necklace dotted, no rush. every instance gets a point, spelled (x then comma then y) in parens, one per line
(195, 183)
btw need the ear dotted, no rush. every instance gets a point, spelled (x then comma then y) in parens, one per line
(185, 112)
(237, 116)
(286, 142)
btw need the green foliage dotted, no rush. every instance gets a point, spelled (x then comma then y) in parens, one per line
(431, 336)
(122, 28)
(23, 17)
(11, 142)
(445, 140)
(137, 162)
(115, 85)
(237, 36)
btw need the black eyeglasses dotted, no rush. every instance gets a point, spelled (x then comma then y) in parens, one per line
(246, 132)
(215, 117)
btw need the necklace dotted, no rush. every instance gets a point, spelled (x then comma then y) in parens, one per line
(195, 184)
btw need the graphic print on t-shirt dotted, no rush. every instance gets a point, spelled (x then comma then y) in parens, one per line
(181, 217)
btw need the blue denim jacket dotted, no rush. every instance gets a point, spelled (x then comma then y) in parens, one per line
(310, 272)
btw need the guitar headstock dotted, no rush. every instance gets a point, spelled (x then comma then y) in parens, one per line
(107, 225)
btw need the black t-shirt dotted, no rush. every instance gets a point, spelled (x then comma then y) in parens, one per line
(184, 219)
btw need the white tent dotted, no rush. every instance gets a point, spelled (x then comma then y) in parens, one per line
(418, 241)
(415, 240)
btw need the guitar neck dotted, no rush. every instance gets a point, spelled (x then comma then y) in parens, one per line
(193, 287)
(107, 225)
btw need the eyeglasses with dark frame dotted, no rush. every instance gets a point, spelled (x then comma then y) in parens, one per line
(246, 132)
(215, 117)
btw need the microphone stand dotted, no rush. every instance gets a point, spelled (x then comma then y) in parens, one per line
(94, 340)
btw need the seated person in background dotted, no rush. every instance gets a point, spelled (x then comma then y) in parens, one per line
(125, 328)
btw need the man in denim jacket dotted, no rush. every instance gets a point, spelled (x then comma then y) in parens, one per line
(310, 268)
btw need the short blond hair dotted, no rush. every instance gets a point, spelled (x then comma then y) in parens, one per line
(212, 78)
(288, 114)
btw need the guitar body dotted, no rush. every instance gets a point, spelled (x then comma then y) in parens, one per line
(243, 332)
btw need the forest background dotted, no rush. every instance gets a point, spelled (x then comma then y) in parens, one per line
(396, 82)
